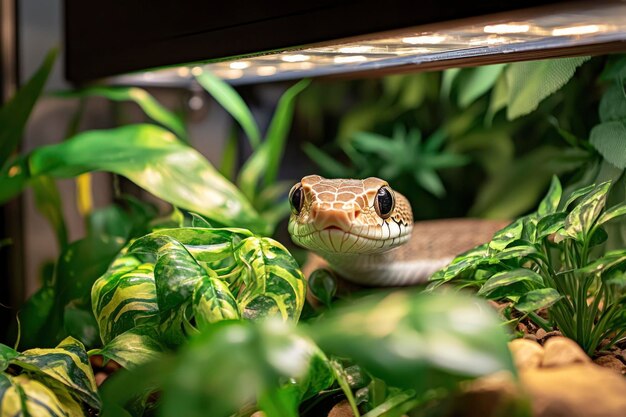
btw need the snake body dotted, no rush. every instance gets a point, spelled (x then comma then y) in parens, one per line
(365, 231)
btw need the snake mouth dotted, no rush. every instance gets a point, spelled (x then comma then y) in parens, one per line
(334, 239)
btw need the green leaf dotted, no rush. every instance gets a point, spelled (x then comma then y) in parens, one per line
(13, 178)
(15, 113)
(231, 364)
(148, 104)
(499, 98)
(125, 297)
(530, 278)
(536, 299)
(531, 82)
(329, 166)
(229, 163)
(583, 216)
(448, 78)
(155, 160)
(132, 348)
(48, 203)
(517, 252)
(273, 284)
(213, 302)
(609, 138)
(265, 161)
(68, 364)
(479, 81)
(550, 224)
(6, 355)
(613, 104)
(430, 181)
(576, 194)
(612, 213)
(550, 202)
(323, 285)
(232, 102)
(468, 261)
(608, 261)
(24, 396)
(503, 237)
(419, 341)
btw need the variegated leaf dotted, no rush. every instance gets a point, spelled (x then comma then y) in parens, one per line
(132, 348)
(213, 302)
(125, 297)
(273, 284)
(68, 364)
(23, 396)
(580, 220)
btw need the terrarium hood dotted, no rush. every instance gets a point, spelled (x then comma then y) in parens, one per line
(167, 43)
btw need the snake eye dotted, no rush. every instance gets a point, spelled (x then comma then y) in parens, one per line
(384, 202)
(295, 199)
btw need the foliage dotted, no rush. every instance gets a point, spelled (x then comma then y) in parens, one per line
(258, 178)
(500, 119)
(401, 338)
(552, 259)
(47, 382)
(172, 281)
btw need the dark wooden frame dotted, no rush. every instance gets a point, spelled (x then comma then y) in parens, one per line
(117, 36)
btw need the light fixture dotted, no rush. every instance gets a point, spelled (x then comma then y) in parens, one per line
(557, 30)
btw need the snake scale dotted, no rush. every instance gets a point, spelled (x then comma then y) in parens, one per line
(364, 230)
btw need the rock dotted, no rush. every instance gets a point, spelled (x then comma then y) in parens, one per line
(100, 377)
(526, 353)
(531, 337)
(560, 351)
(341, 409)
(258, 414)
(578, 390)
(611, 362)
(492, 395)
(541, 334)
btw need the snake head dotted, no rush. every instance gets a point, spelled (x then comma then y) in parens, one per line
(348, 216)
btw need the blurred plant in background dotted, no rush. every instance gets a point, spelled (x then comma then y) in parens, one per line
(514, 126)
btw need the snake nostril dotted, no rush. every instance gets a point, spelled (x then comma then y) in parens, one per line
(357, 213)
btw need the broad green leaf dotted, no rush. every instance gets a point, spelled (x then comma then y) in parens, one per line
(231, 364)
(24, 396)
(531, 82)
(148, 104)
(213, 302)
(536, 299)
(80, 322)
(609, 138)
(583, 216)
(132, 348)
(550, 224)
(550, 202)
(273, 284)
(155, 160)
(506, 278)
(39, 316)
(232, 102)
(612, 213)
(205, 244)
(125, 297)
(479, 81)
(503, 237)
(419, 341)
(609, 260)
(613, 104)
(68, 364)
(229, 162)
(15, 113)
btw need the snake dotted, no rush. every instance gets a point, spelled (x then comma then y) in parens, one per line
(364, 231)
